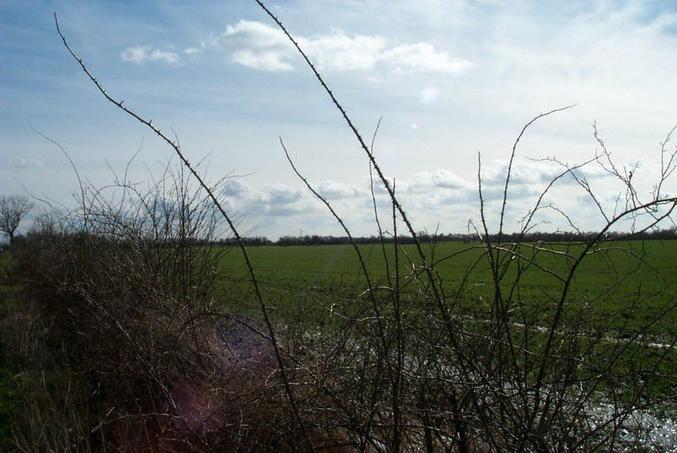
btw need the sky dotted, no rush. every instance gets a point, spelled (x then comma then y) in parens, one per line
(451, 80)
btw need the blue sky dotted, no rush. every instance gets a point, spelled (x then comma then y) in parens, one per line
(450, 78)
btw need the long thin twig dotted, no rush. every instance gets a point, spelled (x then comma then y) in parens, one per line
(365, 148)
(360, 257)
(512, 158)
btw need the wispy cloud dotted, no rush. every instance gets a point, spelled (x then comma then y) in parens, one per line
(25, 162)
(193, 50)
(263, 47)
(142, 54)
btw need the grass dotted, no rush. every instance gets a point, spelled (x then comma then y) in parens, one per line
(615, 288)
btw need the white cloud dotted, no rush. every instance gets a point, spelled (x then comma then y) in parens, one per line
(340, 52)
(425, 181)
(336, 191)
(422, 57)
(235, 189)
(261, 60)
(536, 172)
(254, 34)
(25, 162)
(280, 194)
(277, 200)
(263, 47)
(141, 54)
(197, 49)
(257, 46)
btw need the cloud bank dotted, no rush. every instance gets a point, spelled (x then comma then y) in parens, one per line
(430, 196)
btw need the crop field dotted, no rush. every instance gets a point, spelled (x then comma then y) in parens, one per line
(621, 286)
(624, 290)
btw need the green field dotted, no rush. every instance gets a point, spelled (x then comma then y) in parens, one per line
(621, 287)
(620, 291)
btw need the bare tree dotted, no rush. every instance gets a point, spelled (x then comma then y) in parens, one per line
(13, 208)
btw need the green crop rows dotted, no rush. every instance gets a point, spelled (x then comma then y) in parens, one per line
(622, 286)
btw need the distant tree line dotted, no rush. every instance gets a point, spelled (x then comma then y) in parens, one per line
(558, 236)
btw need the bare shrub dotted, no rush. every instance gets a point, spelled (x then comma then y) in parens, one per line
(125, 287)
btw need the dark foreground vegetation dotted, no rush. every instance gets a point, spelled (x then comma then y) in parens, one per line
(133, 345)
(125, 327)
